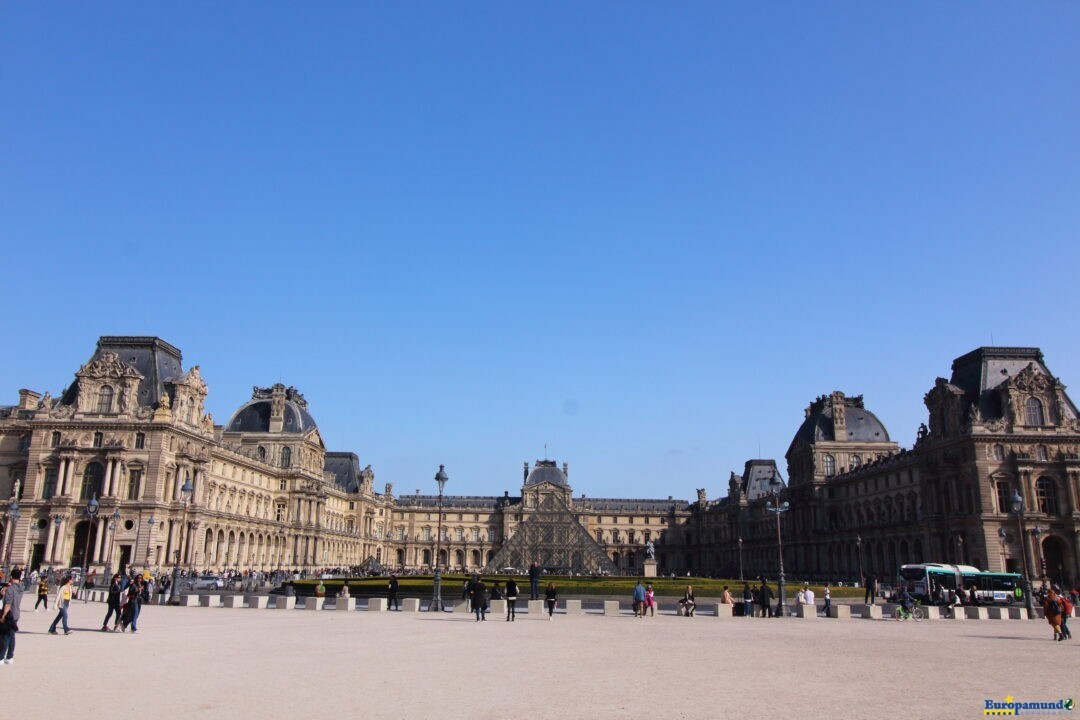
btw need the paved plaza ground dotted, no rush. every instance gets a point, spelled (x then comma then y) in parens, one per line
(245, 663)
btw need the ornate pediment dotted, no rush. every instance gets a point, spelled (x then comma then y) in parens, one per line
(1031, 379)
(108, 366)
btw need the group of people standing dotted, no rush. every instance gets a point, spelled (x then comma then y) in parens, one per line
(479, 596)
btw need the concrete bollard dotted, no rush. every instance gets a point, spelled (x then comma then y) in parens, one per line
(210, 600)
(234, 601)
(345, 604)
(377, 604)
(497, 608)
(314, 603)
(259, 602)
(806, 611)
(840, 612)
(536, 607)
(957, 613)
(461, 606)
(189, 600)
(998, 613)
(611, 607)
(868, 612)
(724, 611)
(411, 605)
(573, 606)
(285, 602)
(1017, 613)
(931, 612)
(975, 612)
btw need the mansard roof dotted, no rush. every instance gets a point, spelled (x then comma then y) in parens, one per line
(862, 425)
(152, 357)
(981, 372)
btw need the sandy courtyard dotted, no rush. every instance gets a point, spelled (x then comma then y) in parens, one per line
(243, 663)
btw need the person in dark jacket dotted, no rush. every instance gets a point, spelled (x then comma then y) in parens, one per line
(113, 603)
(534, 581)
(551, 596)
(748, 600)
(478, 596)
(511, 598)
(766, 599)
(392, 592)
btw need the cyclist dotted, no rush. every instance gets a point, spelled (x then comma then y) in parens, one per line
(907, 600)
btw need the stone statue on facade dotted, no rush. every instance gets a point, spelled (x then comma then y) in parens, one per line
(650, 551)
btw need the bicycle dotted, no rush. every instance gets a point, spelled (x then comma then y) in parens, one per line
(915, 613)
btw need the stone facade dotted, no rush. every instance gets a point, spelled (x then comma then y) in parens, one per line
(858, 503)
(132, 431)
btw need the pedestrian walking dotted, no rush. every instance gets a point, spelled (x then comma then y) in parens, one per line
(638, 599)
(765, 598)
(112, 601)
(42, 593)
(1066, 613)
(63, 600)
(747, 600)
(871, 589)
(534, 581)
(1052, 609)
(828, 600)
(511, 599)
(650, 600)
(551, 596)
(10, 607)
(478, 596)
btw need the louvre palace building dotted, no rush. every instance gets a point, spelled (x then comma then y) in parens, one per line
(262, 492)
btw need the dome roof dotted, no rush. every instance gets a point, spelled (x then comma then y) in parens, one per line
(254, 416)
(545, 471)
(862, 425)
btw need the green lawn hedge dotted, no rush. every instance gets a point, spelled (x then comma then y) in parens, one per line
(420, 585)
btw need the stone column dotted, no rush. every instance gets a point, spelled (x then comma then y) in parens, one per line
(100, 537)
(107, 483)
(62, 477)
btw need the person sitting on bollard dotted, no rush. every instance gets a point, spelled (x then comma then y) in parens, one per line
(687, 602)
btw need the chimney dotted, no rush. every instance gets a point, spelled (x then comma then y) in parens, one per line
(838, 419)
(28, 399)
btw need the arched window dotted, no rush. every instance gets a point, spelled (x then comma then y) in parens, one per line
(830, 465)
(856, 461)
(104, 399)
(1046, 496)
(1034, 408)
(92, 478)
(286, 457)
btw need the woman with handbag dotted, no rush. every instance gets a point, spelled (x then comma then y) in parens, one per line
(63, 600)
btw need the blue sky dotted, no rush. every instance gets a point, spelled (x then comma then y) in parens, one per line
(646, 234)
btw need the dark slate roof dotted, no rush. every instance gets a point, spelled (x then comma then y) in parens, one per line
(545, 471)
(155, 359)
(862, 426)
(346, 469)
(757, 478)
(454, 501)
(254, 416)
(980, 372)
(647, 505)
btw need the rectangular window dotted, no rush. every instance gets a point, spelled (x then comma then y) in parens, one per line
(401, 533)
(97, 439)
(55, 438)
(134, 481)
(460, 534)
(283, 485)
(140, 441)
(427, 534)
(51, 476)
(279, 512)
(476, 533)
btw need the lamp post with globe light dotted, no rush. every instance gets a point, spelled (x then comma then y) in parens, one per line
(1017, 507)
(436, 597)
(114, 520)
(777, 508)
(185, 496)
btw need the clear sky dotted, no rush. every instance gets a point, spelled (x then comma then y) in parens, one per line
(646, 234)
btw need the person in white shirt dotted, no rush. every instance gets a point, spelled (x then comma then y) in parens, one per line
(809, 595)
(800, 597)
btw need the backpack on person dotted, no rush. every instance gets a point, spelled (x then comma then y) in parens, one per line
(1053, 607)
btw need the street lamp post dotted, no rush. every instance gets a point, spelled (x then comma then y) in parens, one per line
(13, 520)
(185, 495)
(1036, 533)
(114, 519)
(778, 508)
(858, 551)
(91, 515)
(436, 598)
(740, 560)
(1017, 507)
(150, 540)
